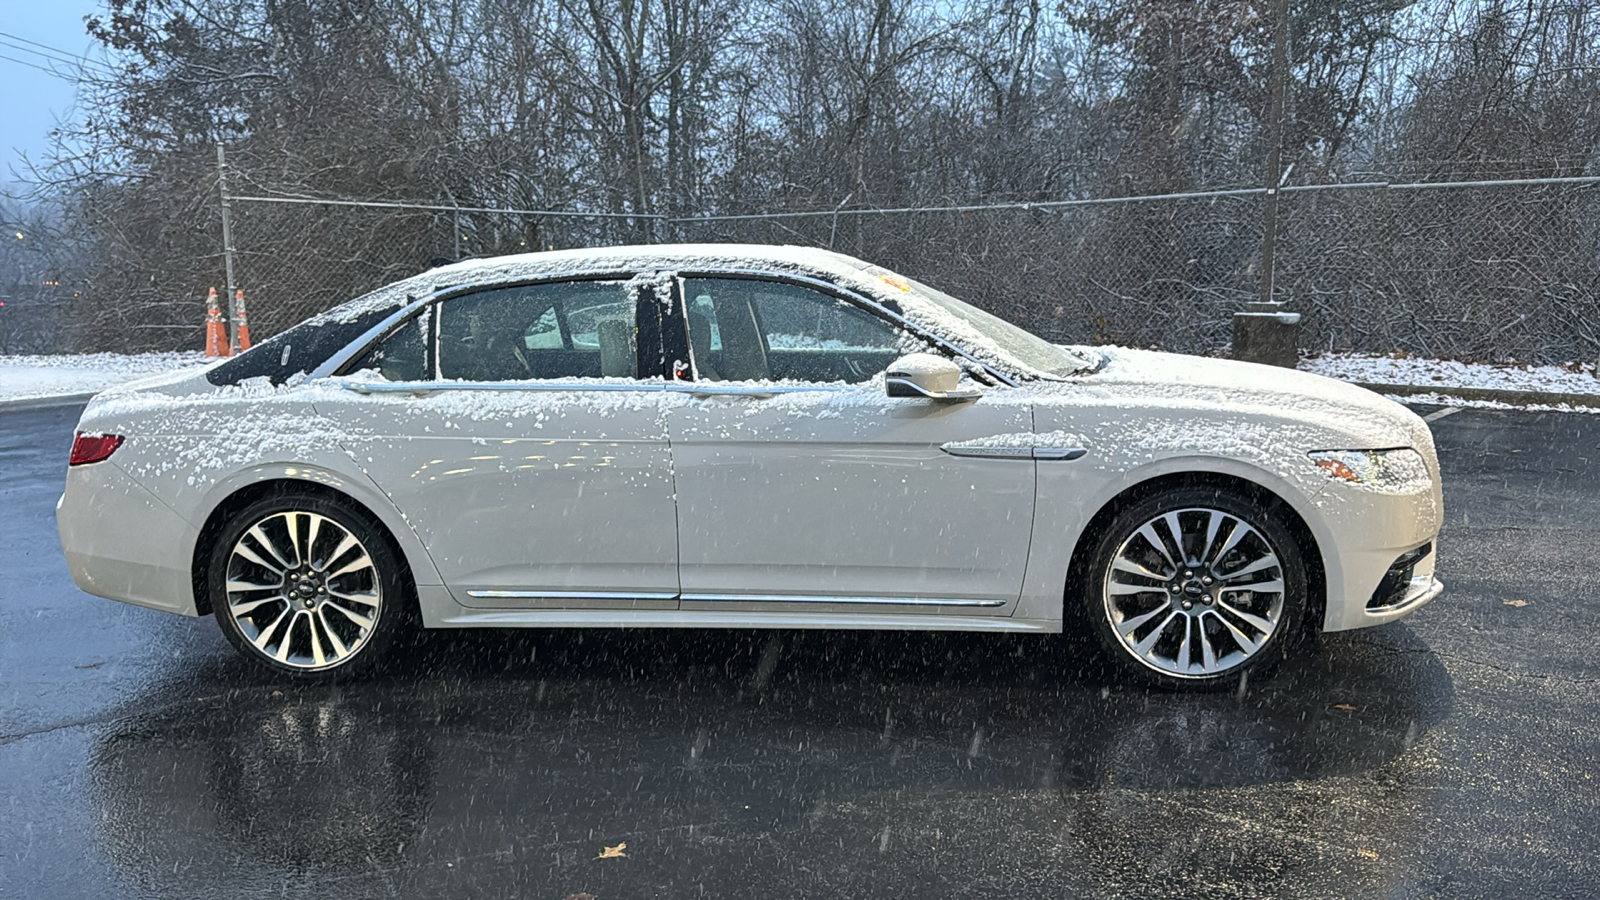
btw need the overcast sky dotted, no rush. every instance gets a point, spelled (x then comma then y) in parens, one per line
(31, 101)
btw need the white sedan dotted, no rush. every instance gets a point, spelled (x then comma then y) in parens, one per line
(740, 436)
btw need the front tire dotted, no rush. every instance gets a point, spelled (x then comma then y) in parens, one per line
(1194, 587)
(307, 586)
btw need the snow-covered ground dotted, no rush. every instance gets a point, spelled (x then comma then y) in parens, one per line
(37, 377)
(1444, 373)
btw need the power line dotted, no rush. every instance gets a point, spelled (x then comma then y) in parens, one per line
(67, 56)
(51, 60)
(49, 56)
(33, 43)
(48, 71)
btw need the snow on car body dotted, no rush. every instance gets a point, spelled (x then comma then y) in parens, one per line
(744, 436)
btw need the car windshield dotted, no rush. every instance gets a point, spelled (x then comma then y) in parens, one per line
(1032, 351)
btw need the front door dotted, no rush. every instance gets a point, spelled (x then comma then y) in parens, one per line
(802, 487)
(519, 430)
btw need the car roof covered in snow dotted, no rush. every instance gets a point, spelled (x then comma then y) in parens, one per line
(637, 258)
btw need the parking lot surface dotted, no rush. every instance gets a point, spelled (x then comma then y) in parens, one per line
(1451, 754)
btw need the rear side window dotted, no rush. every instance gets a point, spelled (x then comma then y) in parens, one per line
(297, 350)
(562, 330)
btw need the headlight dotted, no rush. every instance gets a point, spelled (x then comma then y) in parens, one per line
(1401, 471)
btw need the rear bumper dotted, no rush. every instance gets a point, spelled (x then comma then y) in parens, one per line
(122, 543)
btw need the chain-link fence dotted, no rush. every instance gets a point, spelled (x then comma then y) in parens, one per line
(1167, 272)
(1484, 270)
(295, 258)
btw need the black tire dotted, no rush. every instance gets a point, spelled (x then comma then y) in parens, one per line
(324, 617)
(1217, 606)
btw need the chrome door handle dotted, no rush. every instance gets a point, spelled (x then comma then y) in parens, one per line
(1066, 453)
(367, 388)
(987, 451)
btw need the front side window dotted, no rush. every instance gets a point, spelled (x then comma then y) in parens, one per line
(574, 329)
(744, 329)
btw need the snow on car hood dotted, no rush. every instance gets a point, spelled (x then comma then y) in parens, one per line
(1149, 378)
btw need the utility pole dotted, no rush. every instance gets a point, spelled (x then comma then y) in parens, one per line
(227, 250)
(1269, 212)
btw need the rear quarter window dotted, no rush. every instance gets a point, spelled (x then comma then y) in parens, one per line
(299, 349)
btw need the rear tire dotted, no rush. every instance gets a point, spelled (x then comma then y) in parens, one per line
(1194, 588)
(308, 586)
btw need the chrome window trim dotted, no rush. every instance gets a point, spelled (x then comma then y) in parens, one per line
(753, 389)
(430, 387)
(571, 595)
(654, 386)
(358, 346)
(819, 598)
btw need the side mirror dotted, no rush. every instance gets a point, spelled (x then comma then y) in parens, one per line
(927, 376)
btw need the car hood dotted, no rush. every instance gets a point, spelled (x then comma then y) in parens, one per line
(1358, 417)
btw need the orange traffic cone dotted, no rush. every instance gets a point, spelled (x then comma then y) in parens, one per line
(241, 324)
(216, 332)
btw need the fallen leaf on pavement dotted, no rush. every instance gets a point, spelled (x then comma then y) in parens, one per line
(1344, 706)
(1515, 602)
(1364, 853)
(614, 852)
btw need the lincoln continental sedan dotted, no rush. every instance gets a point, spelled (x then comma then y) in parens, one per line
(731, 436)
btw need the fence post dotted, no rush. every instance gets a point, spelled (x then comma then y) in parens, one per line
(1269, 210)
(1262, 332)
(227, 248)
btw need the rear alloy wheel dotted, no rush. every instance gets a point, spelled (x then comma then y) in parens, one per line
(306, 587)
(1196, 587)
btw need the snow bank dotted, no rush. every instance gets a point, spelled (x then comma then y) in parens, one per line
(39, 377)
(1445, 373)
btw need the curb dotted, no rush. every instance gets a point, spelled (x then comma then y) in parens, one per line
(27, 403)
(1513, 398)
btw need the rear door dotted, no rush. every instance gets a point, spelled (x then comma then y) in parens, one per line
(520, 432)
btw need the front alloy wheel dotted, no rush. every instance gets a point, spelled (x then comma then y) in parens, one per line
(1197, 592)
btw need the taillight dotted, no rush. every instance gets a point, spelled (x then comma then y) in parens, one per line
(92, 448)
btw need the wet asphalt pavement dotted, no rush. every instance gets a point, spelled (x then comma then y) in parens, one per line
(1451, 754)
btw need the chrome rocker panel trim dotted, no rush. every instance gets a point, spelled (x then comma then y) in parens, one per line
(675, 618)
(734, 598)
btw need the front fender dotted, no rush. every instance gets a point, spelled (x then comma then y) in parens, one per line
(1071, 493)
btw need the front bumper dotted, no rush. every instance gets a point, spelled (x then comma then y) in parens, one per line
(1419, 594)
(122, 543)
(1375, 574)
